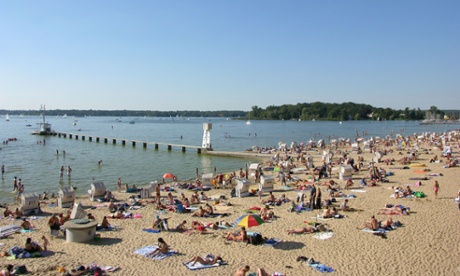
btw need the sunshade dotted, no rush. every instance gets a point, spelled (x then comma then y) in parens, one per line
(168, 175)
(249, 220)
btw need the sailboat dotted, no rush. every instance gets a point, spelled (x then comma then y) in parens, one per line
(7, 118)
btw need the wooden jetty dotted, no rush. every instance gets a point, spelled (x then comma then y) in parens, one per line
(169, 146)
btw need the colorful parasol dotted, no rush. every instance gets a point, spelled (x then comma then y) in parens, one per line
(249, 220)
(168, 175)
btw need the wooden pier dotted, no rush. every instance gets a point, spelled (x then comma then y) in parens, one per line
(169, 146)
(144, 144)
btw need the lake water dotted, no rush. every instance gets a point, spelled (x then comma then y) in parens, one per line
(37, 164)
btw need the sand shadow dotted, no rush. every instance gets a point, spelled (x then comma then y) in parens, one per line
(106, 241)
(289, 245)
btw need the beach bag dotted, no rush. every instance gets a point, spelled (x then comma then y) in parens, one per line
(20, 269)
(255, 239)
(419, 194)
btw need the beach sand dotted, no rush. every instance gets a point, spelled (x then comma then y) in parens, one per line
(426, 244)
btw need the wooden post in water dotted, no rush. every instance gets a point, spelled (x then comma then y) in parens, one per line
(156, 146)
(123, 142)
(98, 139)
(183, 149)
(70, 135)
(76, 136)
(106, 140)
(90, 138)
(114, 141)
(169, 147)
(145, 145)
(83, 137)
(134, 143)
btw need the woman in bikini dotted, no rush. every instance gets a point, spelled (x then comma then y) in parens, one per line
(163, 248)
(240, 236)
(208, 260)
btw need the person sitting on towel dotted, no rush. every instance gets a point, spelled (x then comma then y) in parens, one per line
(327, 213)
(163, 248)
(26, 225)
(387, 223)
(372, 224)
(239, 236)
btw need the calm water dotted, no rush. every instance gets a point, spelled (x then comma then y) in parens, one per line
(37, 164)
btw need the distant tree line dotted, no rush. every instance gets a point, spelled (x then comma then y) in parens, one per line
(130, 113)
(303, 111)
(342, 112)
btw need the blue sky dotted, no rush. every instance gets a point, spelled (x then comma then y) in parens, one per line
(228, 55)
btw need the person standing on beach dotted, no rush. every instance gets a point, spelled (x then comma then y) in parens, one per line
(436, 189)
(69, 171)
(158, 195)
(312, 196)
(62, 172)
(15, 183)
(119, 184)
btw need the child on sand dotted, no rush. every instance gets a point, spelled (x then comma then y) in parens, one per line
(436, 189)
(46, 243)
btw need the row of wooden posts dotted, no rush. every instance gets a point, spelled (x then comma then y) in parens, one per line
(124, 141)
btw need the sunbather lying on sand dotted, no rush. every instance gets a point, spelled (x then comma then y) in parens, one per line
(393, 211)
(208, 260)
(302, 230)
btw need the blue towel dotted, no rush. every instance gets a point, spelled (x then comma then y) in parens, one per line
(151, 230)
(321, 268)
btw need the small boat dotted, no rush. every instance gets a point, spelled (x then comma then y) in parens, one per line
(44, 127)
(132, 122)
(248, 122)
(7, 118)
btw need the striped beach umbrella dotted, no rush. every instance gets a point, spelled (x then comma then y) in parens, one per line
(249, 220)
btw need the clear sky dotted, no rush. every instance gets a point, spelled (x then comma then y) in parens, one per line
(228, 55)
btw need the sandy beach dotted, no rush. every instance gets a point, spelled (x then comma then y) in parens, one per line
(427, 243)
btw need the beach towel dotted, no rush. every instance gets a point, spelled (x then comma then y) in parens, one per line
(323, 235)
(148, 230)
(358, 191)
(321, 218)
(200, 266)
(320, 267)
(271, 242)
(143, 251)
(110, 228)
(418, 178)
(7, 230)
(226, 227)
(378, 231)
